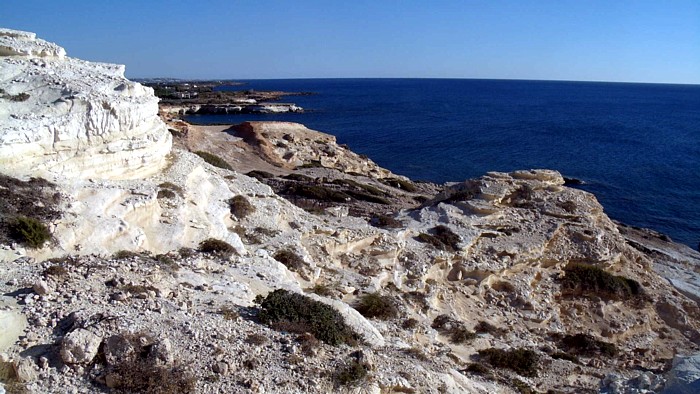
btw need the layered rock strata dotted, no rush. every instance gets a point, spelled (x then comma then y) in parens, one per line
(69, 117)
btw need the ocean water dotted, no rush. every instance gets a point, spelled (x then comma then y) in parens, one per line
(636, 146)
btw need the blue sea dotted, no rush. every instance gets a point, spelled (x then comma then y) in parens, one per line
(636, 146)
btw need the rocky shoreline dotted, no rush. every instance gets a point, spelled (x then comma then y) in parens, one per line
(160, 256)
(205, 98)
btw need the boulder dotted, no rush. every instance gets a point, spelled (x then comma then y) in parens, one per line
(80, 347)
(684, 376)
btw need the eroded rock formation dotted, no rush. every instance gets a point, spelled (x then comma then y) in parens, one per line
(69, 117)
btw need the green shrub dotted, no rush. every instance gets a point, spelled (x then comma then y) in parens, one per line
(384, 221)
(214, 160)
(217, 247)
(375, 305)
(142, 374)
(523, 361)
(166, 193)
(565, 356)
(260, 175)
(290, 259)
(29, 231)
(400, 184)
(456, 330)
(322, 290)
(478, 369)
(351, 373)
(171, 186)
(587, 345)
(486, 327)
(443, 238)
(298, 177)
(240, 206)
(309, 315)
(588, 280)
(409, 324)
(56, 271)
(124, 254)
(316, 192)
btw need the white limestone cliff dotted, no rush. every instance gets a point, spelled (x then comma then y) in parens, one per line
(64, 116)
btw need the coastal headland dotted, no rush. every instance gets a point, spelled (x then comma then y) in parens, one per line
(211, 98)
(140, 253)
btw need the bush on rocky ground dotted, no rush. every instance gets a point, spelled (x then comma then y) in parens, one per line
(587, 345)
(456, 330)
(240, 206)
(291, 260)
(29, 231)
(214, 160)
(441, 238)
(139, 366)
(298, 313)
(216, 247)
(523, 361)
(587, 280)
(374, 305)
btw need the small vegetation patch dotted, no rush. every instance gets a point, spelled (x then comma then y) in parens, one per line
(171, 186)
(167, 194)
(260, 175)
(298, 177)
(385, 221)
(142, 373)
(124, 254)
(587, 345)
(240, 206)
(214, 160)
(565, 356)
(217, 247)
(523, 361)
(454, 329)
(588, 280)
(29, 231)
(56, 271)
(317, 192)
(400, 184)
(478, 369)
(322, 290)
(35, 199)
(441, 238)
(307, 315)
(19, 97)
(229, 313)
(290, 259)
(257, 339)
(375, 305)
(488, 328)
(351, 373)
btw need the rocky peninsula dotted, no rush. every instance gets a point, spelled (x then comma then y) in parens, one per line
(207, 98)
(139, 253)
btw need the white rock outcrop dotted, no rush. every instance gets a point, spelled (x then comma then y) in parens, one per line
(70, 117)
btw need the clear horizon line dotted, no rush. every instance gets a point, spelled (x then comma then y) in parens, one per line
(456, 78)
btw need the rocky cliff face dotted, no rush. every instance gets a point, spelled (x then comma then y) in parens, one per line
(69, 117)
(506, 283)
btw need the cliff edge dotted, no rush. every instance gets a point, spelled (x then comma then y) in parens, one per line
(70, 117)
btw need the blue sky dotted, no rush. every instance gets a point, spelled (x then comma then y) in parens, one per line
(612, 40)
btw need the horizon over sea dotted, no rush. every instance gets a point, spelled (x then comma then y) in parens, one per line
(635, 145)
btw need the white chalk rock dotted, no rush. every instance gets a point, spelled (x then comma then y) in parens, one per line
(79, 347)
(60, 115)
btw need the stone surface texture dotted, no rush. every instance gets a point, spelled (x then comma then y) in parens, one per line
(68, 117)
